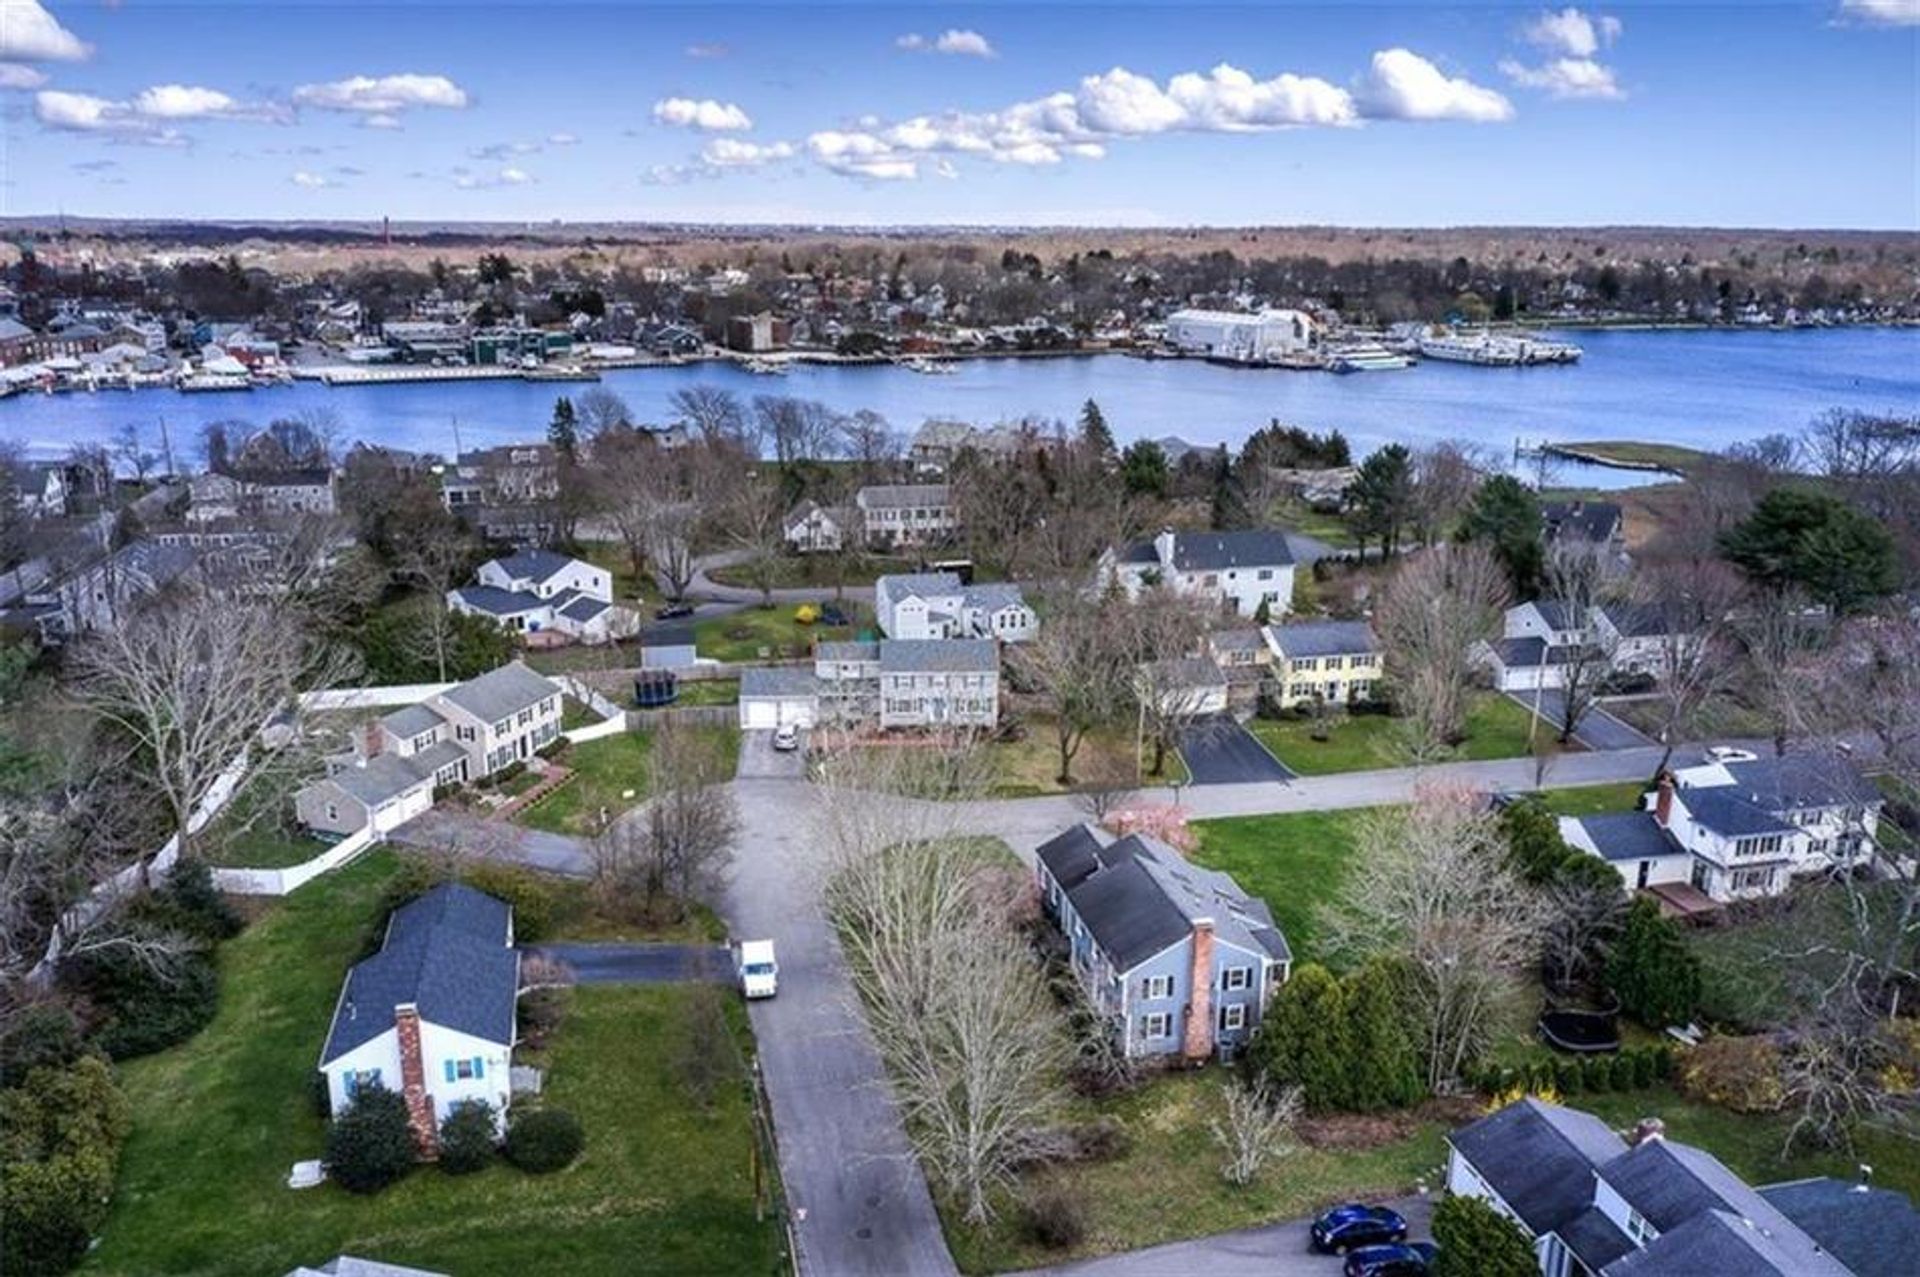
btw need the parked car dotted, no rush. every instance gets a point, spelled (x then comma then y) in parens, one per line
(786, 738)
(1731, 754)
(672, 611)
(833, 614)
(759, 973)
(1355, 1224)
(1397, 1259)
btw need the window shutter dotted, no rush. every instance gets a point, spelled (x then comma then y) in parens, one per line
(373, 1075)
(449, 1070)
(479, 1067)
(352, 1084)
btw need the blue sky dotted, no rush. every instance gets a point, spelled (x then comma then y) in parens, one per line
(1359, 114)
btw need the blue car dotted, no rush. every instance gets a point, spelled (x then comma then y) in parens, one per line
(1399, 1259)
(1349, 1227)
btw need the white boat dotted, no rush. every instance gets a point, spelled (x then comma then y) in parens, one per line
(1488, 350)
(930, 367)
(765, 368)
(205, 381)
(1366, 357)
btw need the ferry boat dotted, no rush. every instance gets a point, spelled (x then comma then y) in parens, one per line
(1490, 351)
(929, 367)
(1366, 357)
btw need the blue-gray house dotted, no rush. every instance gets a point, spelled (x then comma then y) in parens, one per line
(1179, 958)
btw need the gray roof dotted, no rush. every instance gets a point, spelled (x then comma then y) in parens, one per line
(905, 585)
(1248, 639)
(13, 330)
(380, 779)
(1725, 811)
(1719, 1243)
(534, 565)
(1594, 1238)
(495, 601)
(1637, 620)
(777, 681)
(847, 650)
(994, 595)
(904, 495)
(1185, 673)
(1557, 613)
(1522, 653)
(1674, 1185)
(447, 954)
(1215, 551)
(1802, 780)
(939, 656)
(412, 720)
(580, 607)
(502, 693)
(1630, 835)
(1594, 520)
(1324, 638)
(1071, 856)
(1539, 1157)
(1130, 917)
(435, 756)
(1873, 1231)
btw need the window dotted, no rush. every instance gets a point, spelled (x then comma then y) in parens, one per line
(1638, 1228)
(423, 740)
(1753, 879)
(1266, 574)
(1156, 1026)
(1767, 844)
(1237, 978)
(1233, 1017)
(463, 732)
(333, 811)
(465, 1070)
(359, 1078)
(1157, 986)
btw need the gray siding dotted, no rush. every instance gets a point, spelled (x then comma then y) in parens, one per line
(311, 804)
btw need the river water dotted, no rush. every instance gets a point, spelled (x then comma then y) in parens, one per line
(1702, 389)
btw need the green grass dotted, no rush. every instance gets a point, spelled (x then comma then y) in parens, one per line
(603, 770)
(708, 691)
(1496, 728)
(219, 1120)
(1720, 717)
(1592, 800)
(758, 634)
(1168, 1186)
(1030, 767)
(1667, 456)
(265, 846)
(574, 715)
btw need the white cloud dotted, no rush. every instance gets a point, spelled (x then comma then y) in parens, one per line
(85, 113)
(380, 120)
(561, 139)
(383, 97)
(1882, 13)
(704, 114)
(509, 176)
(729, 152)
(1229, 100)
(13, 75)
(861, 155)
(504, 150)
(708, 49)
(1571, 32)
(28, 33)
(1402, 85)
(912, 42)
(193, 102)
(311, 181)
(954, 40)
(1566, 78)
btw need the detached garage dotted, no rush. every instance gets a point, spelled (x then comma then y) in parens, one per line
(771, 698)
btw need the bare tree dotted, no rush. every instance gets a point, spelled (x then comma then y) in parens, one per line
(755, 521)
(1256, 1127)
(1082, 663)
(712, 413)
(872, 443)
(436, 557)
(1781, 640)
(1445, 477)
(798, 429)
(1432, 882)
(1583, 917)
(1689, 605)
(599, 410)
(1436, 607)
(677, 852)
(1581, 577)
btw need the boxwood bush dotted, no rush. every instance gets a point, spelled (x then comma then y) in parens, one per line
(543, 1140)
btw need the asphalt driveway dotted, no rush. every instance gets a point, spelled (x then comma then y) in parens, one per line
(640, 963)
(1219, 751)
(759, 760)
(1272, 1250)
(1597, 730)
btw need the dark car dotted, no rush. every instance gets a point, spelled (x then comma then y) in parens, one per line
(1349, 1227)
(831, 614)
(1398, 1259)
(672, 611)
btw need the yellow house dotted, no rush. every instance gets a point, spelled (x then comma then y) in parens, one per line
(1334, 661)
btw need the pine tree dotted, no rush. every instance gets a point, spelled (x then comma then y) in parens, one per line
(1229, 505)
(1094, 433)
(1476, 1240)
(1384, 1070)
(562, 432)
(1652, 971)
(1505, 516)
(1304, 1040)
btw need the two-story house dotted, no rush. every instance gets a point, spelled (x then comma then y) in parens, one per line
(535, 591)
(1180, 961)
(1595, 1203)
(1539, 640)
(888, 683)
(432, 1015)
(1337, 662)
(811, 528)
(1745, 829)
(1598, 521)
(465, 733)
(930, 605)
(1235, 572)
(903, 514)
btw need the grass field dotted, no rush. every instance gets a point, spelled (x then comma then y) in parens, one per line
(759, 634)
(1031, 767)
(219, 1120)
(1720, 717)
(1667, 456)
(708, 691)
(604, 770)
(1496, 728)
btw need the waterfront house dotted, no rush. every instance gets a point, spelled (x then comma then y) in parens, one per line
(1337, 662)
(1598, 521)
(1236, 572)
(538, 591)
(1179, 960)
(432, 1015)
(906, 514)
(466, 733)
(929, 605)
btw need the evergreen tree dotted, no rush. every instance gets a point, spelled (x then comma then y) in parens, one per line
(1652, 971)
(1229, 505)
(1094, 434)
(562, 431)
(1384, 1070)
(1476, 1240)
(1304, 1039)
(1817, 543)
(1533, 837)
(1381, 497)
(1143, 469)
(1505, 515)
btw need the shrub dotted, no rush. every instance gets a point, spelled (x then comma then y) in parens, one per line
(1599, 1073)
(1569, 1077)
(543, 1140)
(467, 1137)
(370, 1145)
(45, 1036)
(194, 905)
(143, 1009)
(60, 1137)
(1056, 1217)
(1104, 1139)
(1652, 971)
(1741, 1074)
(1478, 1241)
(541, 1012)
(534, 899)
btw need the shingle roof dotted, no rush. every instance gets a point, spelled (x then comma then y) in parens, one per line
(534, 565)
(1636, 620)
(1721, 1244)
(1630, 835)
(783, 681)
(1324, 638)
(1557, 613)
(1594, 1238)
(1214, 551)
(847, 650)
(1539, 1158)
(1802, 780)
(1724, 811)
(1072, 855)
(501, 693)
(895, 586)
(495, 601)
(1674, 1185)
(939, 656)
(1524, 653)
(1184, 673)
(380, 779)
(904, 494)
(1875, 1232)
(412, 720)
(1247, 639)
(1594, 520)
(447, 955)
(1130, 917)
(582, 607)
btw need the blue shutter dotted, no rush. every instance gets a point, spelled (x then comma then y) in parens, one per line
(352, 1084)
(449, 1070)
(479, 1067)
(374, 1077)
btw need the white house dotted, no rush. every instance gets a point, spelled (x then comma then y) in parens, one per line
(432, 1014)
(941, 682)
(1183, 687)
(1242, 338)
(901, 514)
(537, 591)
(812, 528)
(1234, 571)
(930, 605)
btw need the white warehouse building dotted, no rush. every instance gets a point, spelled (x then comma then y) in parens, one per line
(1242, 338)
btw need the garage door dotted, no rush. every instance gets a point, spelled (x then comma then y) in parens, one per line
(403, 809)
(797, 712)
(759, 715)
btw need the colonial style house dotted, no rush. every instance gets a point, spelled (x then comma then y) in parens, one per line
(1739, 830)
(1233, 571)
(1541, 639)
(1596, 521)
(1641, 1206)
(432, 1014)
(811, 528)
(537, 591)
(904, 514)
(1337, 662)
(930, 605)
(1179, 959)
(466, 733)
(914, 683)
(1185, 687)
(220, 497)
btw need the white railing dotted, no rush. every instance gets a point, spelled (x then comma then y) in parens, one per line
(281, 882)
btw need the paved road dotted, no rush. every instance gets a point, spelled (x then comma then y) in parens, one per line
(1273, 1250)
(464, 834)
(1220, 751)
(640, 963)
(703, 586)
(1598, 729)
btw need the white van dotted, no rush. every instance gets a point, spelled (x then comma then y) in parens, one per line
(754, 964)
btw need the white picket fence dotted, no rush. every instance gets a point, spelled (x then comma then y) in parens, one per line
(372, 697)
(596, 731)
(281, 882)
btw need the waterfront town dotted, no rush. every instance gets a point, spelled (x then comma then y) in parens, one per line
(695, 816)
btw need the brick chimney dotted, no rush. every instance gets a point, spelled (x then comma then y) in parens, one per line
(1663, 800)
(1198, 1043)
(1647, 1128)
(413, 1081)
(371, 740)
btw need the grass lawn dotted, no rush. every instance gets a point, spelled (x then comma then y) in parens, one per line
(1719, 717)
(219, 1120)
(573, 715)
(1665, 455)
(797, 571)
(708, 691)
(1030, 767)
(1168, 1186)
(265, 846)
(758, 634)
(1496, 728)
(604, 770)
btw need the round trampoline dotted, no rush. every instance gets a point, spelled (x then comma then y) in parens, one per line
(1581, 1032)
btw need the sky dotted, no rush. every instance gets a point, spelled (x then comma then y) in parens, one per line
(1705, 114)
